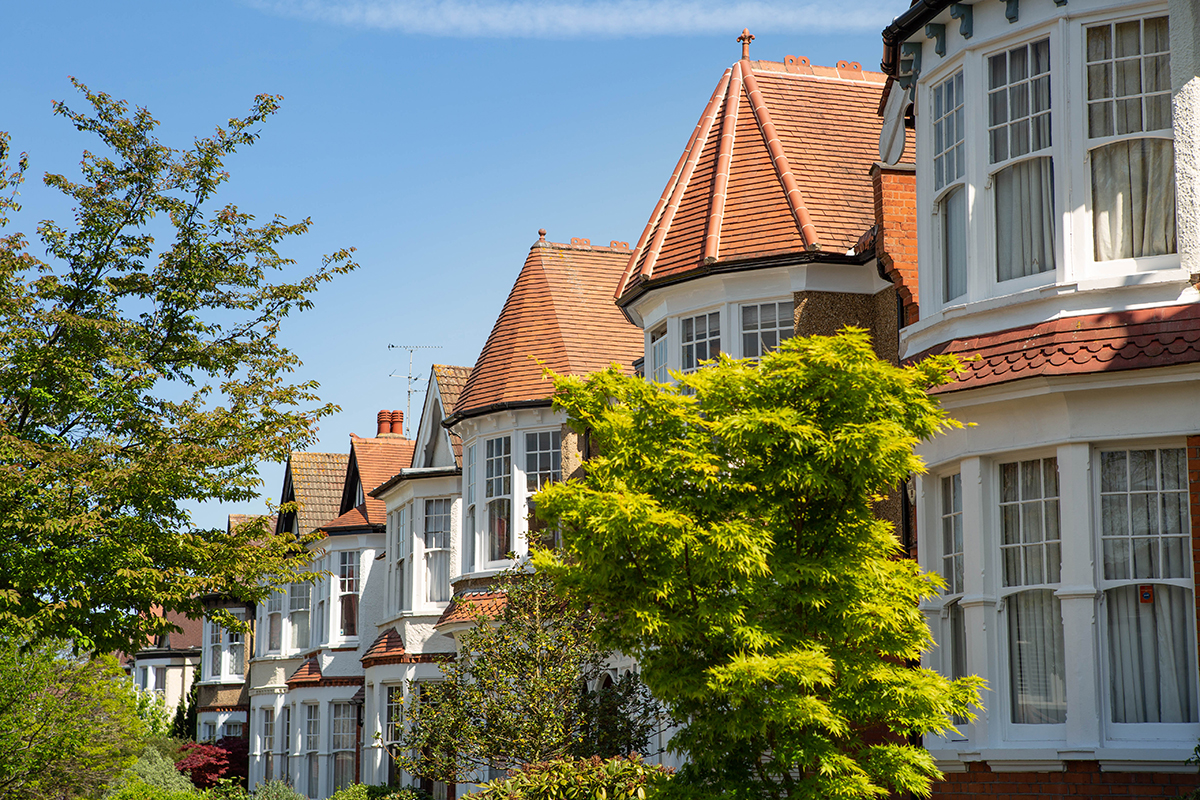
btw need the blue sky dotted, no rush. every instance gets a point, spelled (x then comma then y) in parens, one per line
(435, 137)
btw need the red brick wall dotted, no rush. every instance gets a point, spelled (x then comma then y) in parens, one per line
(896, 231)
(1081, 779)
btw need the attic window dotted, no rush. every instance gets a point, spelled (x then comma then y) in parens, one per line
(359, 497)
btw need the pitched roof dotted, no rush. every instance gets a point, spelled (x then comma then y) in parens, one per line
(560, 312)
(1109, 342)
(387, 646)
(450, 382)
(777, 165)
(374, 460)
(317, 480)
(307, 673)
(466, 607)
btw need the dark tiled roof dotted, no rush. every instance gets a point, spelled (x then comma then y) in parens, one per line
(1109, 342)
(467, 606)
(387, 645)
(560, 311)
(317, 480)
(308, 673)
(778, 164)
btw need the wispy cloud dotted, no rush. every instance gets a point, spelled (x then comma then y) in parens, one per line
(561, 19)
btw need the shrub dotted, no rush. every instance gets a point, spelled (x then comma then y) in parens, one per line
(375, 792)
(276, 790)
(155, 768)
(137, 789)
(623, 778)
(226, 789)
(208, 763)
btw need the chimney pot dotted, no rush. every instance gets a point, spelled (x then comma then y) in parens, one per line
(384, 421)
(398, 423)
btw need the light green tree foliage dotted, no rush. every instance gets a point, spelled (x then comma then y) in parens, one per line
(627, 778)
(153, 711)
(140, 370)
(68, 724)
(727, 533)
(515, 693)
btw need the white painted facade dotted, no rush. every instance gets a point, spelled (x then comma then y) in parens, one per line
(1078, 701)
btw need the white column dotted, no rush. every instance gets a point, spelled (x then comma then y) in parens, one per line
(1185, 90)
(1077, 593)
(978, 601)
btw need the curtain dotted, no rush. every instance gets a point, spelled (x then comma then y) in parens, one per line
(1036, 663)
(437, 575)
(1149, 654)
(1133, 198)
(954, 243)
(1025, 219)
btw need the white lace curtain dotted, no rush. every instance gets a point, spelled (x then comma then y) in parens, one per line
(1133, 198)
(437, 575)
(1025, 219)
(1148, 645)
(954, 243)
(1037, 667)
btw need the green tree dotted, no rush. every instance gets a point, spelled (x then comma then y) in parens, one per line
(727, 530)
(183, 726)
(516, 694)
(68, 724)
(140, 371)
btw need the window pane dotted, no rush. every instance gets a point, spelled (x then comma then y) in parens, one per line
(1150, 654)
(1036, 662)
(1025, 212)
(954, 243)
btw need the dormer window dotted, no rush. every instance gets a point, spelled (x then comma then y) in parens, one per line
(1018, 129)
(359, 497)
(1129, 131)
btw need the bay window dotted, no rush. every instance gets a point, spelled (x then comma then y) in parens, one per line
(1032, 564)
(543, 464)
(267, 745)
(402, 548)
(225, 652)
(312, 744)
(468, 557)
(437, 550)
(285, 743)
(701, 339)
(274, 622)
(341, 745)
(1147, 585)
(348, 593)
(497, 486)
(949, 169)
(955, 654)
(1129, 130)
(658, 355)
(1018, 129)
(298, 614)
(765, 326)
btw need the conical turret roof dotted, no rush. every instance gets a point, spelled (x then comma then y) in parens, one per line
(778, 164)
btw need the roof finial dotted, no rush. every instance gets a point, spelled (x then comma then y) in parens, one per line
(746, 38)
(541, 234)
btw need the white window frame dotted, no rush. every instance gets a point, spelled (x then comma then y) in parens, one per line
(953, 593)
(1124, 732)
(470, 528)
(266, 743)
(400, 545)
(532, 482)
(721, 314)
(342, 723)
(348, 582)
(739, 321)
(1023, 731)
(493, 491)
(443, 508)
(1084, 229)
(218, 644)
(659, 351)
(312, 749)
(958, 183)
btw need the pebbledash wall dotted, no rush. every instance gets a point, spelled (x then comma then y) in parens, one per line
(1065, 519)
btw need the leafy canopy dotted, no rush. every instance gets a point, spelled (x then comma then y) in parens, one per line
(516, 693)
(140, 370)
(68, 724)
(728, 531)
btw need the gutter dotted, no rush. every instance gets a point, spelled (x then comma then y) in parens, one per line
(412, 473)
(914, 19)
(514, 405)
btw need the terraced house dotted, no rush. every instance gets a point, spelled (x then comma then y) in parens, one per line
(1056, 216)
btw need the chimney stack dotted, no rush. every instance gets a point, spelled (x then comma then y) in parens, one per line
(384, 421)
(398, 423)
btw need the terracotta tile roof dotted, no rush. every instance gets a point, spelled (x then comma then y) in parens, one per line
(1119, 340)
(354, 518)
(451, 381)
(387, 645)
(778, 164)
(376, 460)
(307, 673)
(317, 481)
(188, 638)
(560, 311)
(467, 606)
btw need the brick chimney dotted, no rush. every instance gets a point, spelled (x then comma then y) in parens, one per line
(896, 236)
(398, 423)
(384, 421)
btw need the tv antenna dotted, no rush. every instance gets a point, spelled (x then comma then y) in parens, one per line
(411, 348)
